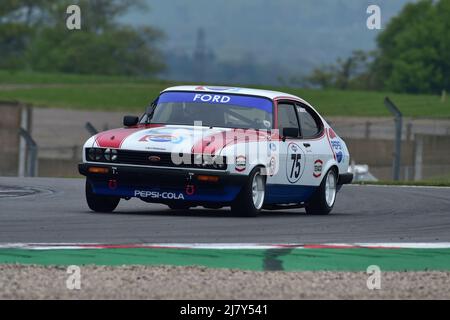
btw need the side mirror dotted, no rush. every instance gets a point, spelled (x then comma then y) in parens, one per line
(130, 121)
(290, 132)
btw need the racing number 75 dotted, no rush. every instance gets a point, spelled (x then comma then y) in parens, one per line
(295, 170)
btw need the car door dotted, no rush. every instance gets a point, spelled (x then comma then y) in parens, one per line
(292, 158)
(311, 128)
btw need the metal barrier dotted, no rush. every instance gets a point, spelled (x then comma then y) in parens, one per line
(31, 154)
(398, 136)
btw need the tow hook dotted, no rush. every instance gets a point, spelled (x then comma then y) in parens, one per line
(112, 184)
(190, 188)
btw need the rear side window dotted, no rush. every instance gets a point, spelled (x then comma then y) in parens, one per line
(308, 124)
(287, 117)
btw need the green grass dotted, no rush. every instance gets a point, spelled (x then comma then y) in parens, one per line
(436, 181)
(23, 77)
(439, 182)
(113, 97)
(133, 94)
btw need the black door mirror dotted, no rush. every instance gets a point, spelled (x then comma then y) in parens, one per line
(129, 121)
(290, 132)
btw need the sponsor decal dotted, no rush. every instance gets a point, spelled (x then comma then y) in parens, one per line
(272, 146)
(223, 89)
(339, 156)
(295, 162)
(240, 163)
(214, 98)
(318, 164)
(162, 135)
(155, 148)
(158, 195)
(272, 166)
(336, 145)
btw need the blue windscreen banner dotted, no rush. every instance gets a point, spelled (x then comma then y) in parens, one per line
(217, 98)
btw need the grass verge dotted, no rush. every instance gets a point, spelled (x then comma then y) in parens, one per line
(133, 94)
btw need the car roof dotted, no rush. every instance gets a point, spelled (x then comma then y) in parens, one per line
(236, 90)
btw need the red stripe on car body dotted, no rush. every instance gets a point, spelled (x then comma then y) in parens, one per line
(216, 142)
(115, 137)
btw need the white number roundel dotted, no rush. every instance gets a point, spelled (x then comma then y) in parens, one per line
(295, 162)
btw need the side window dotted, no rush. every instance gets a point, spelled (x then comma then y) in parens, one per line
(287, 117)
(308, 124)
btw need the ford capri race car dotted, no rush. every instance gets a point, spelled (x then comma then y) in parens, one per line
(215, 147)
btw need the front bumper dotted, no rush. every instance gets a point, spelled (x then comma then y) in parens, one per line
(163, 185)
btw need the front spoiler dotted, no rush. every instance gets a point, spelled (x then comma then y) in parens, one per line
(161, 175)
(127, 182)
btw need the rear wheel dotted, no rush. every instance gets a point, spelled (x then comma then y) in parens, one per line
(323, 200)
(99, 203)
(250, 200)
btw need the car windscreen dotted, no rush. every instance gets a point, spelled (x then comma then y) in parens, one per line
(213, 109)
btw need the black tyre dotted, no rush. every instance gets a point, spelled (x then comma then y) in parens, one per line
(323, 200)
(99, 203)
(250, 200)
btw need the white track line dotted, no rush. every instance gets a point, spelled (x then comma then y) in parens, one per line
(393, 245)
(400, 186)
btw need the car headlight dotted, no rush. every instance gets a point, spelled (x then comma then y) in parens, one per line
(95, 154)
(110, 154)
(211, 162)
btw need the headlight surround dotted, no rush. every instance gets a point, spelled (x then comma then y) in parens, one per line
(94, 154)
(110, 155)
(209, 162)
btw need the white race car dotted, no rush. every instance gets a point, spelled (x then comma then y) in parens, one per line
(219, 146)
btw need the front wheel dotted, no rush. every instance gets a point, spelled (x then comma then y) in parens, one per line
(99, 203)
(250, 200)
(323, 200)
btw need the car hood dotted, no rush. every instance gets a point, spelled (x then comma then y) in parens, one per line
(173, 138)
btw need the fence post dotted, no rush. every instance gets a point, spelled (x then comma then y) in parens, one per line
(398, 117)
(409, 131)
(367, 133)
(32, 153)
(25, 123)
(418, 157)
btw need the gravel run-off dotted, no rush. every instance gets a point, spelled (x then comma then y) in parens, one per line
(169, 282)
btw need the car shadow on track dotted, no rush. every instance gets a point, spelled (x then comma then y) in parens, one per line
(219, 213)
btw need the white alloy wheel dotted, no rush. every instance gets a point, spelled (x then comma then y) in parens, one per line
(330, 188)
(258, 190)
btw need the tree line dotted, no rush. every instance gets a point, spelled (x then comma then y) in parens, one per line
(412, 55)
(34, 36)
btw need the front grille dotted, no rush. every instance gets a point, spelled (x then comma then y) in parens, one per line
(160, 159)
(143, 158)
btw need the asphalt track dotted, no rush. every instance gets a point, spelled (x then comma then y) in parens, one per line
(54, 211)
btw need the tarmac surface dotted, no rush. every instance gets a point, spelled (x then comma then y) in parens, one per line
(54, 210)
